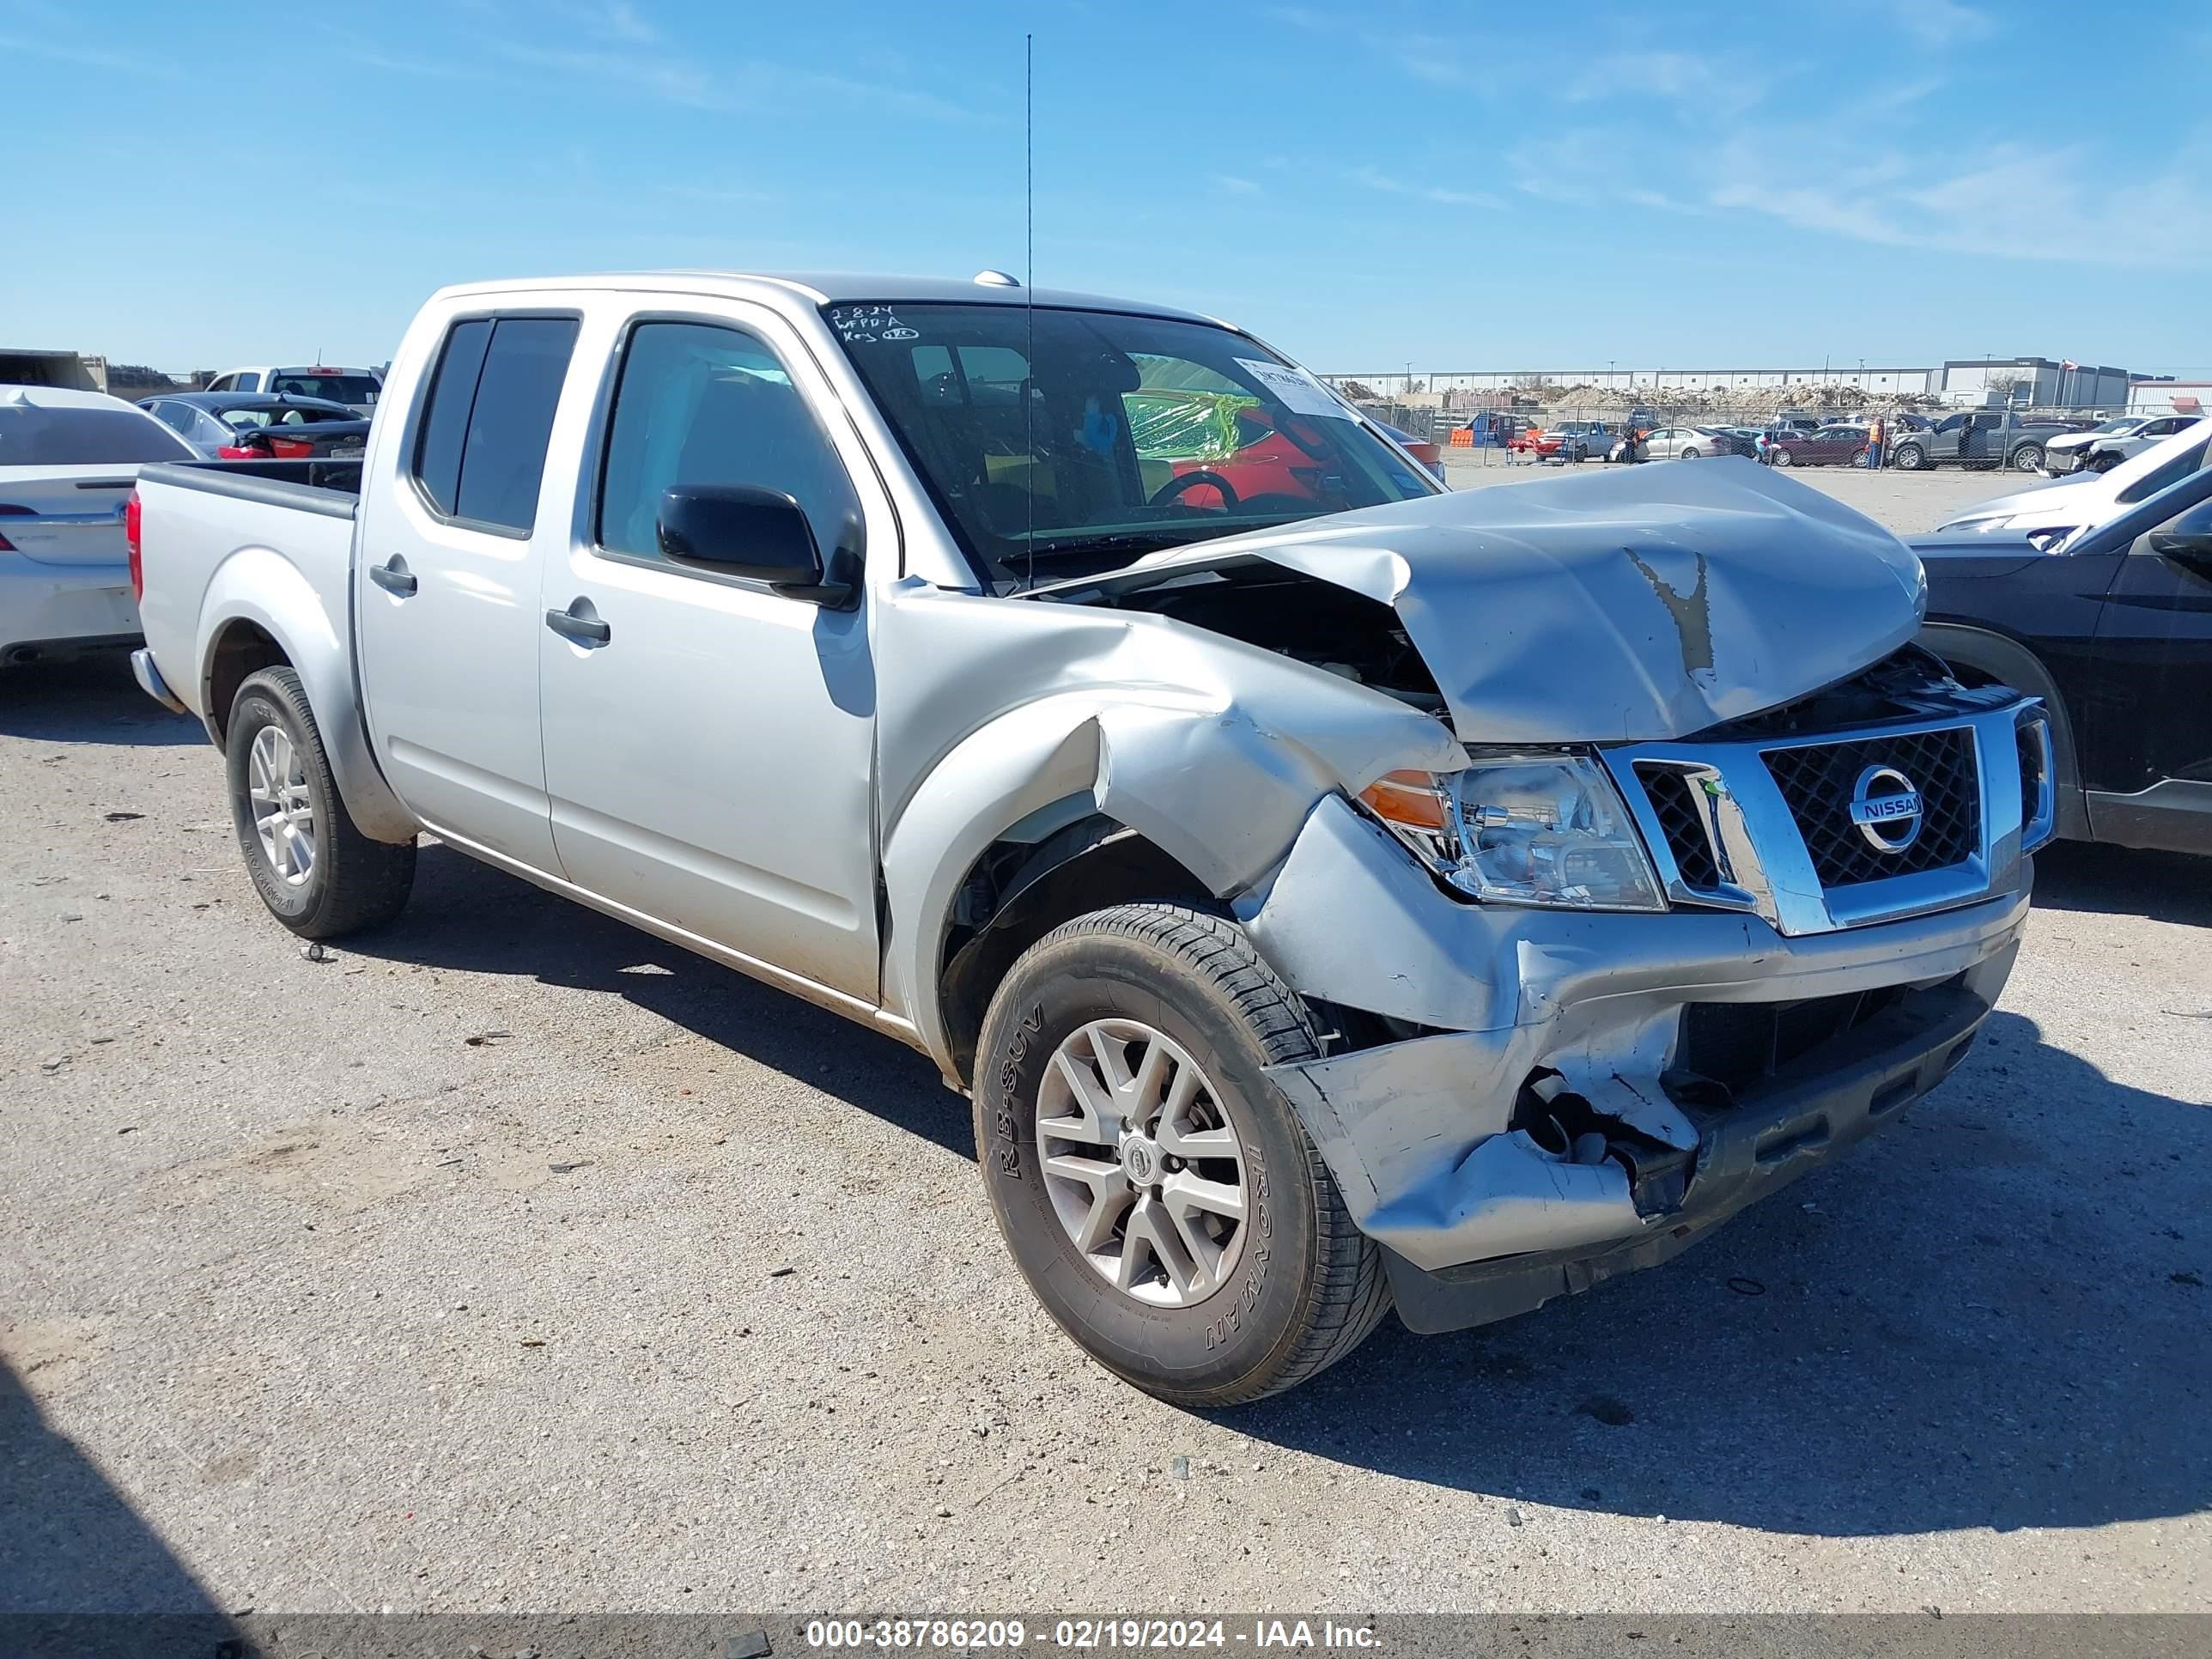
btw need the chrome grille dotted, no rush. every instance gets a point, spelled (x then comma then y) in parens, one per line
(1817, 781)
(1674, 798)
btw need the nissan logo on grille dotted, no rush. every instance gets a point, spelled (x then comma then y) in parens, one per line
(1887, 809)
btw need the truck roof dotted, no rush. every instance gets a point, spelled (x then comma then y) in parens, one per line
(816, 288)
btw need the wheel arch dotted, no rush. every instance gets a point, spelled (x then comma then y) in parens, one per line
(1984, 656)
(260, 610)
(1017, 892)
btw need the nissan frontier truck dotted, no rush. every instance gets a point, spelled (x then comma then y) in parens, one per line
(1332, 892)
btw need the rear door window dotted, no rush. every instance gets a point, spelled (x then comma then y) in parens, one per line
(480, 454)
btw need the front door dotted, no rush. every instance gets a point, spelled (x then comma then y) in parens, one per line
(709, 742)
(446, 587)
(2153, 723)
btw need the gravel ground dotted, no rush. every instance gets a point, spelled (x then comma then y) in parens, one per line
(512, 1260)
(1909, 503)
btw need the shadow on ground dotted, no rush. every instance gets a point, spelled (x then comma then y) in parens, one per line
(465, 915)
(1990, 1315)
(85, 1576)
(90, 699)
(2122, 881)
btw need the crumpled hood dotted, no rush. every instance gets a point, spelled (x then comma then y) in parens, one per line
(1637, 603)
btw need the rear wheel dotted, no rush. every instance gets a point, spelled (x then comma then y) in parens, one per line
(1691, 454)
(1158, 1192)
(313, 868)
(1782, 458)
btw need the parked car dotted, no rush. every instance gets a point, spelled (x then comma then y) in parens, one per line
(1693, 443)
(1832, 445)
(2104, 446)
(1977, 438)
(67, 462)
(246, 426)
(1383, 893)
(2053, 508)
(356, 388)
(2111, 625)
(1428, 454)
(1571, 440)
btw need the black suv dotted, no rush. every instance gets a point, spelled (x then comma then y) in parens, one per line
(2112, 627)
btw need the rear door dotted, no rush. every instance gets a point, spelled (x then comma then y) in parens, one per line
(2153, 723)
(446, 579)
(709, 755)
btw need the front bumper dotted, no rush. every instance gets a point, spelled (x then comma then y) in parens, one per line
(1466, 1152)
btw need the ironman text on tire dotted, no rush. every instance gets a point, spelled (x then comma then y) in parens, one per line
(1158, 1192)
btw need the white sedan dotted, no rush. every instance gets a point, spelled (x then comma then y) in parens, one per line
(68, 461)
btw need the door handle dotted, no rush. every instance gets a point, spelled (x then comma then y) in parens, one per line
(582, 630)
(393, 577)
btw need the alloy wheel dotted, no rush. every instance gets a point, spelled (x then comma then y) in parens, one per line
(1144, 1169)
(283, 811)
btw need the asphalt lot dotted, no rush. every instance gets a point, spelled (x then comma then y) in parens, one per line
(447, 1273)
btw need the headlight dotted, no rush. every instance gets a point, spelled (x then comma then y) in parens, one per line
(1522, 828)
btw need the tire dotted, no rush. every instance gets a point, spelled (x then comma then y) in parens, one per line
(2104, 461)
(1782, 458)
(1909, 458)
(1304, 1287)
(348, 882)
(2028, 458)
(1691, 454)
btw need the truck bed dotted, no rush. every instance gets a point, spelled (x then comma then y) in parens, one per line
(240, 537)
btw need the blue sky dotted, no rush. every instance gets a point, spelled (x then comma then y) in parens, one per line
(1545, 183)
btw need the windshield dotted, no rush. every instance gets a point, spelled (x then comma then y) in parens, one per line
(33, 436)
(1082, 438)
(359, 389)
(2120, 423)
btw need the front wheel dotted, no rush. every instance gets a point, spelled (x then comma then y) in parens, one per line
(2028, 458)
(1909, 458)
(313, 868)
(1158, 1192)
(2104, 461)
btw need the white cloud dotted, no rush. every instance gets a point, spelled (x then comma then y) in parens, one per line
(2080, 214)
(1941, 23)
(1374, 178)
(1230, 184)
(1700, 83)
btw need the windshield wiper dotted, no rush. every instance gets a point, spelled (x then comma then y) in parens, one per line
(1114, 541)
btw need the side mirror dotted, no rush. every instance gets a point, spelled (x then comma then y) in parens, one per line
(2187, 538)
(761, 534)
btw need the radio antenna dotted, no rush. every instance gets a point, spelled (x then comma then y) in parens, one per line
(1029, 290)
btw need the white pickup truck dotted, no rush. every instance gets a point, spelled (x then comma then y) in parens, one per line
(1331, 889)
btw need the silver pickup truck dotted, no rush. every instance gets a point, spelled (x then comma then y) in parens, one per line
(1331, 889)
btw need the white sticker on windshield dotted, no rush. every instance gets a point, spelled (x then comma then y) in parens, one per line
(1295, 389)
